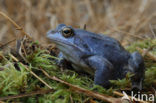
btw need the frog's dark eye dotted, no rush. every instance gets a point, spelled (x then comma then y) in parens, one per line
(67, 32)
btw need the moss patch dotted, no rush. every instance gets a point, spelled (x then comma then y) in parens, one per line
(15, 79)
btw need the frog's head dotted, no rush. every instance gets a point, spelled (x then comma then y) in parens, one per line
(63, 36)
(71, 42)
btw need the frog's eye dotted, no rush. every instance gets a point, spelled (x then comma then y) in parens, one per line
(67, 32)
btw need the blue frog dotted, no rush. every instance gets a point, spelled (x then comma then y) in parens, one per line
(97, 54)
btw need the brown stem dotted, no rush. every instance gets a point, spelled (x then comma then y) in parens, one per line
(27, 94)
(14, 58)
(85, 91)
(147, 53)
(16, 25)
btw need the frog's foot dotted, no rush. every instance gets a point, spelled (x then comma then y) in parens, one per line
(136, 66)
(60, 60)
(62, 63)
(103, 70)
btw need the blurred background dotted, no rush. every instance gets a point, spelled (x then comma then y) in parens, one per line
(125, 20)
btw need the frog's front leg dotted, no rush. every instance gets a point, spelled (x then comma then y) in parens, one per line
(60, 59)
(136, 66)
(103, 70)
(62, 62)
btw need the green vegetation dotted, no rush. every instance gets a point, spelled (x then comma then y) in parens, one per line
(15, 79)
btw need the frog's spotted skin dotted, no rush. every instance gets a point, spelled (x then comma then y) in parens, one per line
(98, 55)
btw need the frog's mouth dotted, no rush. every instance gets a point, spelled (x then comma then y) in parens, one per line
(64, 44)
(67, 47)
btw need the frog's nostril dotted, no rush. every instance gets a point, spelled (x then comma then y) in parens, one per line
(50, 32)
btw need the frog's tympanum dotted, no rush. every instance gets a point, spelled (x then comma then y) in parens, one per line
(98, 55)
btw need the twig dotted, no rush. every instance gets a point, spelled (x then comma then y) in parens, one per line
(16, 25)
(14, 58)
(3, 45)
(27, 94)
(71, 99)
(85, 91)
(146, 52)
(151, 28)
(19, 47)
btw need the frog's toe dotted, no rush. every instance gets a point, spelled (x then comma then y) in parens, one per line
(59, 62)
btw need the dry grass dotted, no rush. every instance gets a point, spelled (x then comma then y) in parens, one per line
(125, 20)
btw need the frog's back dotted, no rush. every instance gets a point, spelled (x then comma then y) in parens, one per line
(99, 44)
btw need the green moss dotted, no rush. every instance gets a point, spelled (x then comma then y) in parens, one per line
(123, 83)
(14, 81)
(150, 72)
(143, 45)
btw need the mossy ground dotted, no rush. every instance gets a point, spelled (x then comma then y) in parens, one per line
(15, 79)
